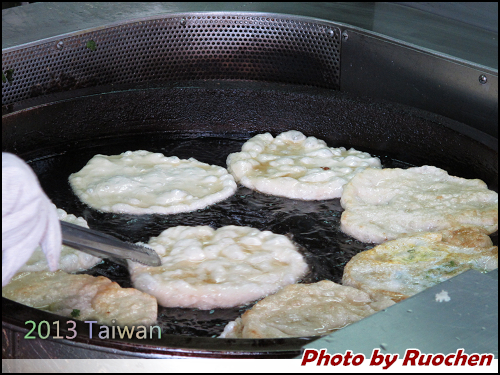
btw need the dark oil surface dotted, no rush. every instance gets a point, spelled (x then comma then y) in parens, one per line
(313, 225)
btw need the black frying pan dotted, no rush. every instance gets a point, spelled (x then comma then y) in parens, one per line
(207, 121)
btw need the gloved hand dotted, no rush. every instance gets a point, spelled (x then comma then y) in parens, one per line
(28, 218)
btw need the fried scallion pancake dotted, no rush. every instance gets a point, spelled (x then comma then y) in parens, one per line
(403, 267)
(304, 310)
(295, 166)
(93, 298)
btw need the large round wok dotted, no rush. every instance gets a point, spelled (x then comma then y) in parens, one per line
(208, 120)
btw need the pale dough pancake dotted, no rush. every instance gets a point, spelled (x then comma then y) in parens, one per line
(71, 260)
(97, 298)
(303, 310)
(143, 182)
(295, 166)
(207, 268)
(385, 204)
(403, 267)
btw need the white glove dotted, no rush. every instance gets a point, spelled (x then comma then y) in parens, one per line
(28, 218)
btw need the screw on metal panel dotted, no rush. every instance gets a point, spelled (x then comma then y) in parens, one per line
(483, 79)
(331, 32)
(60, 45)
(345, 36)
(183, 21)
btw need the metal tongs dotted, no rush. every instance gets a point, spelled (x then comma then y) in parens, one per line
(105, 246)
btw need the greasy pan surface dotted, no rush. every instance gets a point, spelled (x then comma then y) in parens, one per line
(208, 121)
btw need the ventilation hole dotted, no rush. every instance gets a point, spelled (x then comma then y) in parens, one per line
(207, 47)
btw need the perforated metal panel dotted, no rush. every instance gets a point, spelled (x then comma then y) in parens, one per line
(192, 46)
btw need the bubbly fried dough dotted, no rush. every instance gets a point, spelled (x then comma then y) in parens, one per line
(295, 166)
(142, 182)
(207, 268)
(385, 204)
(403, 267)
(304, 310)
(96, 298)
